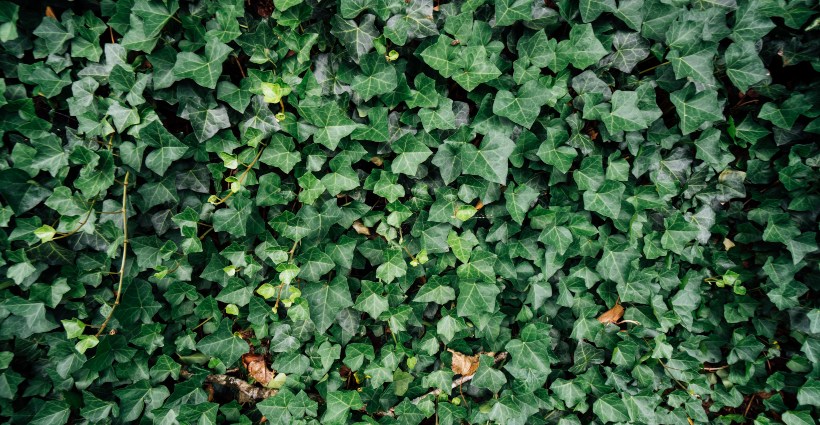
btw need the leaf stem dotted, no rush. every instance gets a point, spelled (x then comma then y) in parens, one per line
(82, 223)
(243, 175)
(124, 253)
(652, 68)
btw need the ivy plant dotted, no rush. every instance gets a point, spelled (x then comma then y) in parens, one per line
(409, 211)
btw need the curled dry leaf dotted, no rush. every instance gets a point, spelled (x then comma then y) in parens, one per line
(465, 365)
(613, 315)
(257, 369)
(361, 228)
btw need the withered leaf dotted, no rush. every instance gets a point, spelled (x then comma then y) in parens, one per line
(361, 228)
(463, 364)
(257, 369)
(613, 315)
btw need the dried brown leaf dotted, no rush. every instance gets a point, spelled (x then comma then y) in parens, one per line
(257, 368)
(613, 315)
(463, 364)
(361, 228)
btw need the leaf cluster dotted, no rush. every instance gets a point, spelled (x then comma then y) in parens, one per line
(419, 211)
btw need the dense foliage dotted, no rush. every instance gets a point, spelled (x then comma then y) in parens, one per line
(409, 211)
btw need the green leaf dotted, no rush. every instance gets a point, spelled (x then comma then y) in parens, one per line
(591, 9)
(326, 300)
(696, 109)
(53, 412)
(630, 50)
(474, 68)
(520, 200)
(606, 200)
(530, 351)
(488, 377)
(628, 114)
(223, 344)
(393, 266)
(168, 148)
(524, 107)
(371, 300)
(339, 405)
(377, 77)
(695, 67)
(507, 12)
(356, 37)
(785, 114)
(411, 153)
(743, 65)
(610, 408)
(780, 228)
(583, 49)
(330, 122)
(204, 70)
(53, 33)
(476, 298)
(490, 161)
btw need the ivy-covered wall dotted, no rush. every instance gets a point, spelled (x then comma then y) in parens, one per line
(409, 211)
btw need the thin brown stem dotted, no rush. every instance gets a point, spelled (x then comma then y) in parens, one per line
(239, 64)
(202, 323)
(713, 369)
(82, 223)
(206, 233)
(749, 406)
(124, 253)
(293, 250)
(653, 68)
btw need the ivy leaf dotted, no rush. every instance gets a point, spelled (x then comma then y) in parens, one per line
(377, 77)
(393, 266)
(507, 12)
(697, 66)
(52, 412)
(606, 200)
(696, 109)
(627, 114)
(204, 70)
(326, 300)
(610, 408)
(223, 344)
(411, 153)
(488, 377)
(443, 56)
(339, 405)
(371, 300)
(330, 122)
(474, 68)
(743, 65)
(356, 37)
(530, 351)
(476, 298)
(524, 107)
(785, 114)
(583, 49)
(168, 148)
(630, 49)
(520, 200)
(491, 160)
